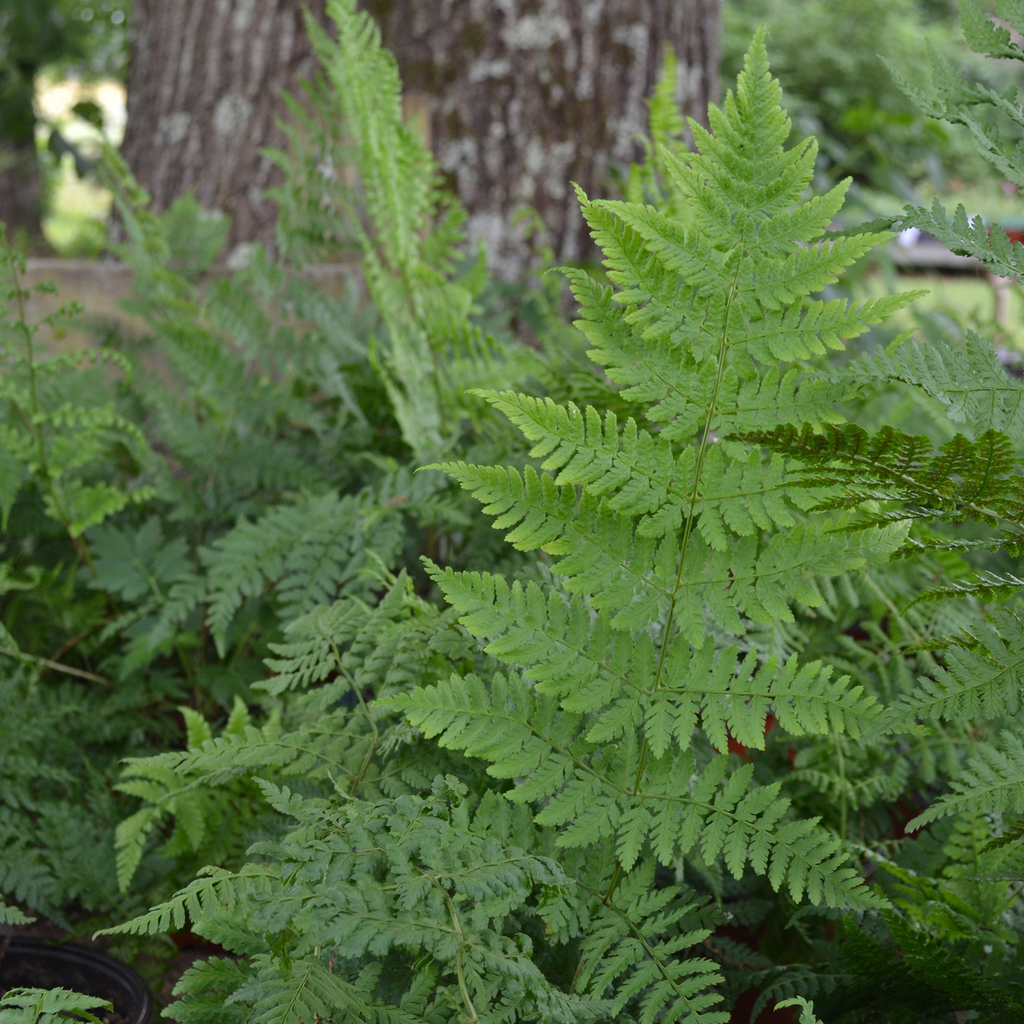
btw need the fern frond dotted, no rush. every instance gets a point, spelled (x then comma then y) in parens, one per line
(310, 552)
(215, 888)
(634, 947)
(12, 915)
(306, 991)
(578, 657)
(963, 478)
(524, 738)
(991, 781)
(968, 380)
(980, 678)
(207, 987)
(49, 1006)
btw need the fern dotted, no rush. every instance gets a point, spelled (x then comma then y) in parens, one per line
(969, 381)
(700, 691)
(429, 339)
(366, 651)
(46, 1006)
(626, 949)
(647, 543)
(59, 444)
(993, 779)
(312, 552)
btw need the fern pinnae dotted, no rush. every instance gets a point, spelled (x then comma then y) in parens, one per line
(651, 538)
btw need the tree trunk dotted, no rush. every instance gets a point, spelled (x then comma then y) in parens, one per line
(527, 96)
(21, 195)
(518, 98)
(203, 93)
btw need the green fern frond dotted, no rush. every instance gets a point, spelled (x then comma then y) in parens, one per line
(968, 380)
(578, 657)
(214, 888)
(12, 915)
(980, 677)
(807, 1015)
(992, 782)
(976, 479)
(49, 1006)
(634, 948)
(523, 737)
(371, 648)
(310, 552)
(662, 539)
(304, 990)
(207, 987)
(409, 233)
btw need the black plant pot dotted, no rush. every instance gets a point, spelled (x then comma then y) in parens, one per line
(31, 963)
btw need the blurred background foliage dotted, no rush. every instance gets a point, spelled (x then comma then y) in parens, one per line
(63, 66)
(82, 44)
(830, 58)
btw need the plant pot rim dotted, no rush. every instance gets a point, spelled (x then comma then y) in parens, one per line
(110, 972)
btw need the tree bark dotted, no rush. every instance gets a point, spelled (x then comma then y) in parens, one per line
(518, 98)
(527, 96)
(204, 87)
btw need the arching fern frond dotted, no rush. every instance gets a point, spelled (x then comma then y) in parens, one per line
(964, 479)
(968, 380)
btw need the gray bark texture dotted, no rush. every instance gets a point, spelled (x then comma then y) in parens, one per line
(517, 98)
(204, 87)
(527, 96)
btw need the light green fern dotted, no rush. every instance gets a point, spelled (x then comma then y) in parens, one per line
(48, 1006)
(60, 441)
(655, 534)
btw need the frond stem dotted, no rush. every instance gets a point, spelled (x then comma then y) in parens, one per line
(684, 544)
(459, 971)
(56, 666)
